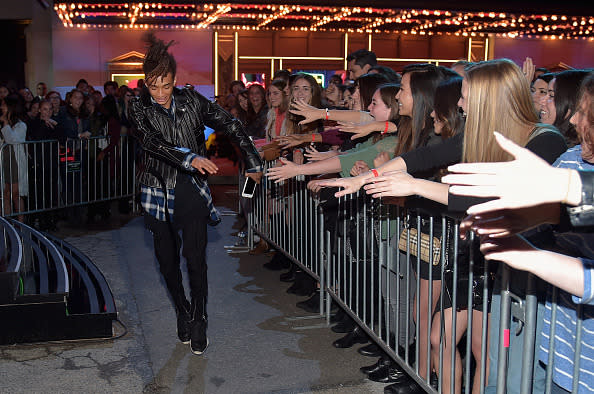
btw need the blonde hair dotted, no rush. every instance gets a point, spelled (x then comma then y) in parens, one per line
(498, 100)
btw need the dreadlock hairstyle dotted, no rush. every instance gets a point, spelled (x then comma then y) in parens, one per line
(158, 62)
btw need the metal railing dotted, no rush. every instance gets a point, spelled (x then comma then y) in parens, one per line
(363, 254)
(39, 176)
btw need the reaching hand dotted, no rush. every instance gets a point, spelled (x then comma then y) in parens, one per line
(524, 182)
(514, 251)
(349, 185)
(309, 112)
(359, 168)
(202, 164)
(314, 185)
(359, 130)
(312, 154)
(290, 141)
(528, 68)
(285, 170)
(500, 224)
(391, 184)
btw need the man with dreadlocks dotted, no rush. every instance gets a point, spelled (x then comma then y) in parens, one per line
(174, 191)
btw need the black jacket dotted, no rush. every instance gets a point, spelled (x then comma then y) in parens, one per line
(161, 138)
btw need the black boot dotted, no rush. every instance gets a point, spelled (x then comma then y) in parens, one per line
(371, 350)
(290, 275)
(338, 316)
(312, 304)
(390, 374)
(353, 337)
(346, 325)
(278, 262)
(199, 340)
(184, 319)
(383, 361)
(303, 285)
(408, 386)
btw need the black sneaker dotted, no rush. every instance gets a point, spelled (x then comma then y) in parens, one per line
(199, 341)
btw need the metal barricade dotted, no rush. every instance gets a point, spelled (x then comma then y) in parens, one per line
(39, 176)
(418, 290)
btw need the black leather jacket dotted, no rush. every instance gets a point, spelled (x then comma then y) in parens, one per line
(161, 138)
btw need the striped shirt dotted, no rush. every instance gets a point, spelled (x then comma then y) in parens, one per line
(565, 323)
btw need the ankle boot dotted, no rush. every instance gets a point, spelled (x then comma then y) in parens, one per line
(290, 275)
(199, 340)
(184, 319)
(312, 304)
(278, 262)
(353, 337)
(383, 361)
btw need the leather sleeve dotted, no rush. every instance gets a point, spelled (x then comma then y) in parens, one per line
(583, 215)
(152, 140)
(218, 119)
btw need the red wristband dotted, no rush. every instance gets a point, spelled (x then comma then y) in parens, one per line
(374, 172)
(327, 114)
(313, 138)
(386, 129)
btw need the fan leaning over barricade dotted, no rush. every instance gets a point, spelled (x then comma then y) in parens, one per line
(495, 95)
(528, 192)
(170, 124)
(415, 129)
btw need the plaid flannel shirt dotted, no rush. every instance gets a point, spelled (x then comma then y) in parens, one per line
(152, 199)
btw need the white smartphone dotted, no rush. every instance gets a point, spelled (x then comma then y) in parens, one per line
(249, 187)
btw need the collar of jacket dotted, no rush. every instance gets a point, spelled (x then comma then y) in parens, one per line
(179, 95)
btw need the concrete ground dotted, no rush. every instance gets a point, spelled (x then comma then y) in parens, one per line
(260, 342)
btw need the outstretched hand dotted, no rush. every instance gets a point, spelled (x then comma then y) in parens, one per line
(285, 170)
(508, 222)
(310, 113)
(526, 181)
(349, 185)
(391, 184)
(359, 130)
(291, 141)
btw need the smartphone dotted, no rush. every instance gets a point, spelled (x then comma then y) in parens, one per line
(249, 187)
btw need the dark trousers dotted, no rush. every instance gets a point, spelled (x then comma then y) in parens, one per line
(190, 218)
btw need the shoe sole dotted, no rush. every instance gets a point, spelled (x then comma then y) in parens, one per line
(198, 352)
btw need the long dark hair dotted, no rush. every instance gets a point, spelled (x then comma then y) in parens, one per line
(368, 84)
(15, 109)
(388, 92)
(281, 84)
(567, 85)
(109, 108)
(82, 111)
(414, 131)
(446, 107)
(292, 123)
(158, 62)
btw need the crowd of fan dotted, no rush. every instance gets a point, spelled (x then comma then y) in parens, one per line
(35, 176)
(395, 136)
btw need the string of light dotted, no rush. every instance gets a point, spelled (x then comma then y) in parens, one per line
(238, 17)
